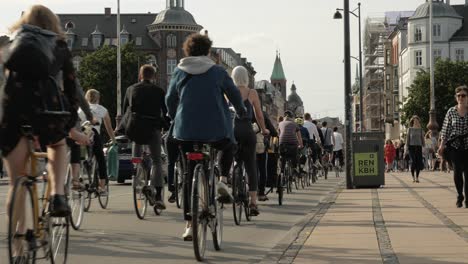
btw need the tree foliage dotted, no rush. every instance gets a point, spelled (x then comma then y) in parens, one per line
(447, 76)
(98, 70)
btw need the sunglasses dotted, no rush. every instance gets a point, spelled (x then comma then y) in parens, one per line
(461, 95)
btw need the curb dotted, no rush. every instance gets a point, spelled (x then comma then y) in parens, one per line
(287, 249)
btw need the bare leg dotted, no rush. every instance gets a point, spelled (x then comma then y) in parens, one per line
(253, 198)
(57, 168)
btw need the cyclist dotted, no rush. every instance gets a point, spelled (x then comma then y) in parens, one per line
(245, 134)
(20, 108)
(147, 100)
(338, 147)
(315, 138)
(328, 140)
(100, 115)
(290, 139)
(264, 158)
(305, 139)
(196, 104)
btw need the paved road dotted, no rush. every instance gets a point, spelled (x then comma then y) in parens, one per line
(117, 236)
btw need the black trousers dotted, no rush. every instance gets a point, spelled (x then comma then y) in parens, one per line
(460, 171)
(415, 153)
(262, 171)
(272, 169)
(172, 148)
(99, 154)
(288, 152)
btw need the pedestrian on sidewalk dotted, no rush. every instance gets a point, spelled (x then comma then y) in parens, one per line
(454, 133)
(390, 153)
(413, 146)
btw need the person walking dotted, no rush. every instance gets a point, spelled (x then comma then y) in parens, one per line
(454, 133)
(413, 146)
(390, 154)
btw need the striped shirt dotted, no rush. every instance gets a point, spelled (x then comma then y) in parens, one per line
(288, 130)
(455, 125)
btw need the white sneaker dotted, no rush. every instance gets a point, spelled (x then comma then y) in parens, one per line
(188, 234)
(224, 194)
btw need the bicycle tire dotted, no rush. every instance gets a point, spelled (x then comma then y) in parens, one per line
(237, 194)
(104, 199)
(199, 222)
(76, 201)
(245, 185)
(86, 176)
(22, 186)
(287, 177)
(59, 234)
(279, 188)
(217, 230)
(140, 203)
(178, 183)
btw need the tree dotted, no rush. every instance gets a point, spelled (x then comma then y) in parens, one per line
(447, 75)
(98, 70)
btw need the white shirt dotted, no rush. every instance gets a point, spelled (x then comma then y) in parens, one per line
(313, 132)
(98, 111)
(338, 141)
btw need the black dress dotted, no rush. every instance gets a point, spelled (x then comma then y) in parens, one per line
(22, 104)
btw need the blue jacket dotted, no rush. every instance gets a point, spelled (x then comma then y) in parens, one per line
(199, 108)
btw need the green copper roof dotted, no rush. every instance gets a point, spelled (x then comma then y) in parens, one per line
(278, 73)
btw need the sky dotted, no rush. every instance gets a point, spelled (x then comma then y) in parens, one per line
(310, 41)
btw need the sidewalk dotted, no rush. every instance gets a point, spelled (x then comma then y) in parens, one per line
(404, 222)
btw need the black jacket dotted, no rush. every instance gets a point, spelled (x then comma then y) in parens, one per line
(147, 99)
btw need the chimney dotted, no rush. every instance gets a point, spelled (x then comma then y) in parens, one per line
(107, 11)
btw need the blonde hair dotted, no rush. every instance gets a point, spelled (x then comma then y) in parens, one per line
(92, 96)
(240, 76)
(40, 16)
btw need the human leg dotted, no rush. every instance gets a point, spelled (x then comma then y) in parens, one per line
(57, 169)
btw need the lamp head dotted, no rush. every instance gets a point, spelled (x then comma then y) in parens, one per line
(337, 15)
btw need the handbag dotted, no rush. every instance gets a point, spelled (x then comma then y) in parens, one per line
(260, 146)
(447, 153)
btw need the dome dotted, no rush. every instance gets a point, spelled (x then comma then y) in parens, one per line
(439, 9)
(175, 16)
(294, 97)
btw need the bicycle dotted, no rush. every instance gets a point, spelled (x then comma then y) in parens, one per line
(32, 233)
(311, 168)
(89, 174)
(140, 180)
(76, 199)
(240, 191)
(206, 212)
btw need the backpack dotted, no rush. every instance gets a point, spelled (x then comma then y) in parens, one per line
(31, 52)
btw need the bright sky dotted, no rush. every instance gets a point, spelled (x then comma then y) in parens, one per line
(310, 41)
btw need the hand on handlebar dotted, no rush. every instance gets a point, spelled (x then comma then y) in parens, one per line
(265, 132)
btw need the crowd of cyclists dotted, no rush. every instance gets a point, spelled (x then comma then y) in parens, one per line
(203, 105)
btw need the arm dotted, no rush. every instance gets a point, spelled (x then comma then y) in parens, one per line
(172, 97)
(258, 111)
(444, 133)
(316, 134)
(233, 95)
(82, 103)
(108, 125)
(299, 138)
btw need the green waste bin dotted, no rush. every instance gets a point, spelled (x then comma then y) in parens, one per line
(368, 159)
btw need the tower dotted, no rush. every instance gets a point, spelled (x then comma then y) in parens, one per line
(278, 80)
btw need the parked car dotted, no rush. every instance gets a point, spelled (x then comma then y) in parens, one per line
(126, 168)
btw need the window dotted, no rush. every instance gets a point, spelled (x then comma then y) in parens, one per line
(459, 54)
(171, 65)
(138, 41)
(84, 42)
(418, 34)
(123, 40)
(76, 62)
(436, 31)
(387, 56)
(96, 41)
(70, 42)
(437, 53)
(69, 25)
(387, 81)
(418, 56)
(171, 41)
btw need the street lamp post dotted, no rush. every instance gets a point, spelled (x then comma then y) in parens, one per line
(347, 93)
(358, 16)
(119, 73)
(432, 125)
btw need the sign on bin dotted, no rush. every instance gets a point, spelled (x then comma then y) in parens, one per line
(366, 164)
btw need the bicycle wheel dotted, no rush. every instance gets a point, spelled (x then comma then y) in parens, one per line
(22, 242)
(199, 209)
(178, 181)
(218, 221)
(86, 176)
(76, 199)
(104, 199)
(156, 210)
(287, 177)
(237, 194)
(58, 232)
(280, 188)
(246, 198)
(139, 198)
